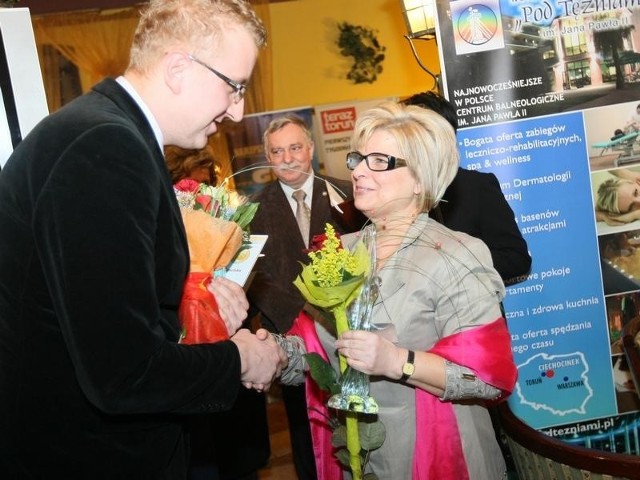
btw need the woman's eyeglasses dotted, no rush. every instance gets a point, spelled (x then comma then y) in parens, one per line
(377, 162)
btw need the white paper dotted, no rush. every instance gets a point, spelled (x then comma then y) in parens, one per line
(240, 268)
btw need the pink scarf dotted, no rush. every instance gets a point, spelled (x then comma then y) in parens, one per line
(486, 350)
(327, 465)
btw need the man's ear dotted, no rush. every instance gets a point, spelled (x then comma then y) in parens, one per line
(174, 66)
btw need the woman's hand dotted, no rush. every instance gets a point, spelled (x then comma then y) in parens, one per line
(232, 302)
(372, 354)
(627, 174)
(617, 219)
(375, 355)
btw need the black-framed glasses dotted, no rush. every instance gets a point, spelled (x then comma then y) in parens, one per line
(239, 89)
(377, 162)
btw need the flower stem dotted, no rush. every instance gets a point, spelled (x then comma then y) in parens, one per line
(342, 325)
(353, 440)
(353, 445)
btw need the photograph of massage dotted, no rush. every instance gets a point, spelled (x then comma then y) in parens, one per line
(620, 261)
(623, 312)
(616, 198)
(613, 135)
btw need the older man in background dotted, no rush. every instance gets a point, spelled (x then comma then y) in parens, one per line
(299, 193)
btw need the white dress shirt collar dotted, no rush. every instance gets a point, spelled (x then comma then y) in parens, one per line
(155, 126)
(307, 186)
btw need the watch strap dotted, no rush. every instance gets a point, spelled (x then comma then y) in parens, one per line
(411, 356)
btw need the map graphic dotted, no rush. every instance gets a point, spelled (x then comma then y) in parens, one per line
(556, 383)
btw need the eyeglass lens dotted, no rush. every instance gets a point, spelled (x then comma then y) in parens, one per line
(377, 162)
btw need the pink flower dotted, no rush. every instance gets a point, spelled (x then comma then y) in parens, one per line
(187, 185)
(206, 202)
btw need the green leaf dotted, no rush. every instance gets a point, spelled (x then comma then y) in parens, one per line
(322, 372)
(245, 214)
(339, 437)
(343, 457)
(327, 297)
(372, 434)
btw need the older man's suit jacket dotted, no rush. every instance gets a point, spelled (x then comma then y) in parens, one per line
(272, 290)
(93, 257)
(474, 204)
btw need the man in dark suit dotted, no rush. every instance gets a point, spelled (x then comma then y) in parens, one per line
(289, 146)
(93, 255)
(475, 204)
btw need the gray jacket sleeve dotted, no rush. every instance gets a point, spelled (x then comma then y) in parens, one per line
(294, 373)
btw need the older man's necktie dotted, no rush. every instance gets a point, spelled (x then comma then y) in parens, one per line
(303, 215)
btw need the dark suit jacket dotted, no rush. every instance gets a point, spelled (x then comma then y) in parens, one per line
(272, 290)
(475, 204)
(92, 261)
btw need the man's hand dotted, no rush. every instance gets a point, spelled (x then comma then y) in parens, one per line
(232, 302)
(261, 358)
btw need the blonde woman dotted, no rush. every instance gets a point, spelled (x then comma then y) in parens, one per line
(618, 199)
(439, 349)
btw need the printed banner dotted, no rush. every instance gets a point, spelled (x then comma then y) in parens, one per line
(547, 95)
(334, 126)
(22, 98)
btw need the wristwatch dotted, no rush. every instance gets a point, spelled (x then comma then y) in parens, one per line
(408, 368)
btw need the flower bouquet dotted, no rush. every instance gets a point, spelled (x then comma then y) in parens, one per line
(344, 284)
(216, 222)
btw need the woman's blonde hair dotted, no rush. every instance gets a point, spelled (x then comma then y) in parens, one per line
(607, 197)
(196, 25)
(425, 140)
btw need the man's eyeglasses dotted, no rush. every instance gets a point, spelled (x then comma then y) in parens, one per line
(239, 89)
(378, 162)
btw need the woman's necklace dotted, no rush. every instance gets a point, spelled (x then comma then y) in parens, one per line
(390, 233)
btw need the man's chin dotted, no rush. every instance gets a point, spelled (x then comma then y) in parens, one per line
(202, 139)
(197, 144)
(213, 128)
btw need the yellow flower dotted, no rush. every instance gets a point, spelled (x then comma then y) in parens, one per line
(335, 275)
(332, 281)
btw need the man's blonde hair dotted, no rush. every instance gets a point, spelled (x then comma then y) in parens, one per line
(195, 25)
